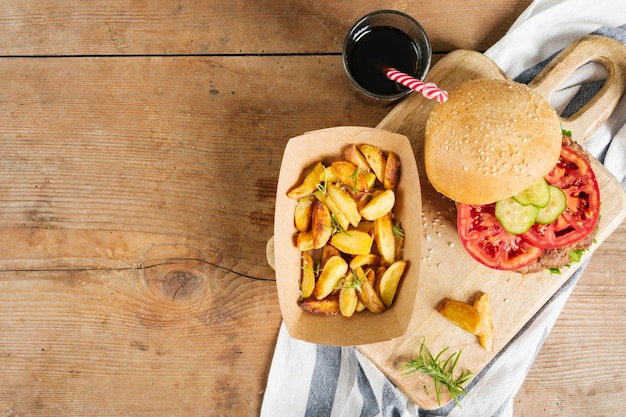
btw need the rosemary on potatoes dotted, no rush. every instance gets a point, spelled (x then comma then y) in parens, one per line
(441, 370)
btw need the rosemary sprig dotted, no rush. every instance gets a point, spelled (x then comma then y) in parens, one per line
(335, 227)
(322, 186)
(316, 268)
(355, 178)
(442, 372)
(355, 282)
(398, 231)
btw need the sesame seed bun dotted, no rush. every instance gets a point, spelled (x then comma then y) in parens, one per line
(490, 140)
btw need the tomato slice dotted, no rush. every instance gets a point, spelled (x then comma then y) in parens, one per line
(486, 240)
(574, 176)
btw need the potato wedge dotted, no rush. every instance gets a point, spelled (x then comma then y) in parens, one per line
(362, 260)
(365, 226)
(309, 184)
(328, 252)
(389, 281)
(345, 203)
(307, 282)
(321, 224)
(355, 179)
(352, 242)
(354, 155)
(385, 239)
(328, 175)
(361, 274)
(345, 171)
(302, 213)
(304, 241)
(378, 206)
(329, 306)
(348, 299)
(392, 172)
(462, 314)
(485, 333)
(370, 298)
(335, 269)
(376, 160)
(361, 198)
(342, 220)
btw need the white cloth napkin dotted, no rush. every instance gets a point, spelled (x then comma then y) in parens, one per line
(308, 380)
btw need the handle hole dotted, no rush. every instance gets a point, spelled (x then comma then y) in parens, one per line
(579, 88)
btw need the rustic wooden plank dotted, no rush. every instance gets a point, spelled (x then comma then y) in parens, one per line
(580, 368)
(161, 27)
(157, 145)
(102, 343)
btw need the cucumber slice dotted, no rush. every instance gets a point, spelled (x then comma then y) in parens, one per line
(537, 194)
(554, 208)
(514, 217)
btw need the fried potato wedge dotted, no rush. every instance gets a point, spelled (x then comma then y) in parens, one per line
(376, 160)
(345, 171)
(352, 177)
(365, 226)
(361, 198)
(353, 242)
(304, 241)
(342, 220)
(392, 172)
(345, 203)
(485, 332)
(380, 205)
(307, 284)
(363, 260)
(385, 239)
(462, 314)
(329, 306)
(321, 224)
(370, 298)
(327, 175)
(348, 298)
(354, 155)
(302, 213)
(309, 184)
(335, 269)
(389, 281)
(328, 251)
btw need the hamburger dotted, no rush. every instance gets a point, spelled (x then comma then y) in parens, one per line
(526, 196)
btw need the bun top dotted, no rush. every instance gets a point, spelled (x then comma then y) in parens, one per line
(490, 140)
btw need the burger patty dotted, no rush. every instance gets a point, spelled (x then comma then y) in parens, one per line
(557, 257)
(560, 257)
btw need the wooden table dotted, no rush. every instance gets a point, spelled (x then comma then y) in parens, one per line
(141, 143)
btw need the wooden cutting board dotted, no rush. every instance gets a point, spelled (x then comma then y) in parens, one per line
(446, 271)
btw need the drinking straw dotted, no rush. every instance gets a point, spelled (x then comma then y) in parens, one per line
(428, 90)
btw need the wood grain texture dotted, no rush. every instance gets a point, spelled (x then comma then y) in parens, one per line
(581, 366)
(161, 27)
(140, 150)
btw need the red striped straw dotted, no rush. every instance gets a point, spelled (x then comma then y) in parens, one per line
(428, 90)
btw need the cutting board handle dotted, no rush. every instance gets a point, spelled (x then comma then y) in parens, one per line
(591, 48)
